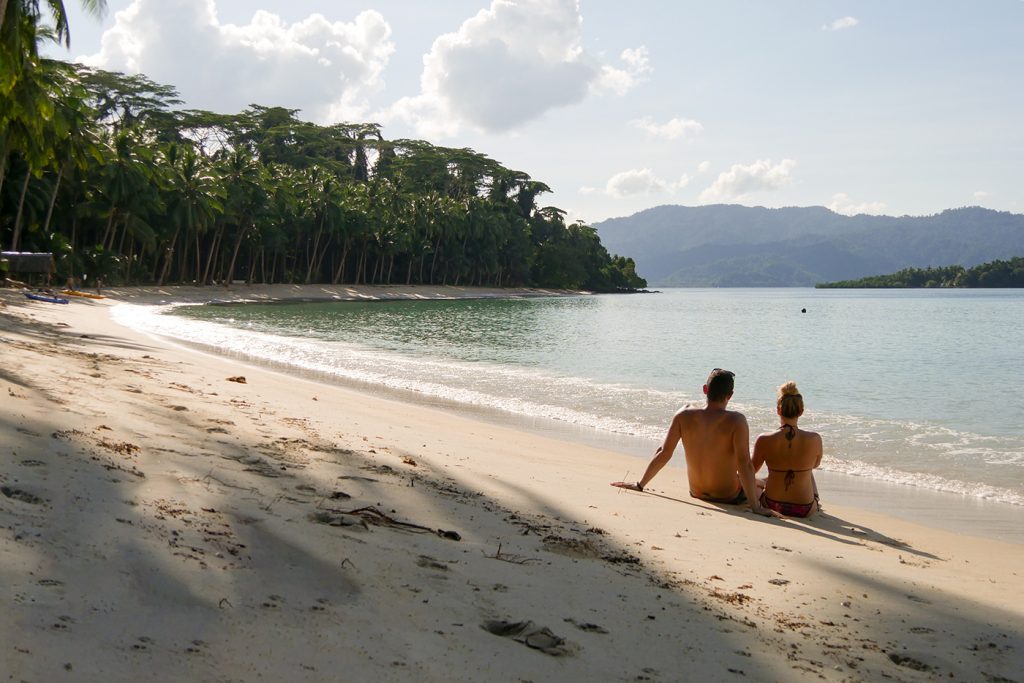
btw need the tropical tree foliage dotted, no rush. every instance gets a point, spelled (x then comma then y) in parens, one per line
(993, 274)
(103, 169)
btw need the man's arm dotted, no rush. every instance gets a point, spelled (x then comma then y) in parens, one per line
(661, 456)
(757, 459)
(741, 450)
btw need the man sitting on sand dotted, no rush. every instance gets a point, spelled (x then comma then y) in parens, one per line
(716, 444)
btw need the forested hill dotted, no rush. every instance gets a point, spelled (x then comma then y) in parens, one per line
(993, 274)
(738, 246)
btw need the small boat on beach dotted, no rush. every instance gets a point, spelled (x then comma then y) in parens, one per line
(46, 298)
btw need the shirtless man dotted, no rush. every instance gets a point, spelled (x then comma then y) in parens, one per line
(716, 444)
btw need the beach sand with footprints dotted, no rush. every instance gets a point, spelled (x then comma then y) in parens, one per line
(171, 515)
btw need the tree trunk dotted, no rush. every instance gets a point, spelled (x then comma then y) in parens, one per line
(128, 270)
(315, 261)
(312, 258)
(340, 272)
(53, 200)
(361, 270)
(3, 11)
(433, 261)
(199, 267)
(234, 255)
(74, 250)
(167, 259)
(318, 269)
(154, 268)
(21, 206)
(375, 278)
(124, 234)
(3, 169)
(183, 261)
(209, 257)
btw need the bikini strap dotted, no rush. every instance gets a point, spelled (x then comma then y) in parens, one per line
(790, 433)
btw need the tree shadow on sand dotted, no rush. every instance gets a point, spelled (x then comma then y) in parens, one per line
(823, 524)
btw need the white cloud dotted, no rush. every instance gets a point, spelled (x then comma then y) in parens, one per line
(586, 189)
(842, 203)
(741, 181)
(634, 182)
(620, 81)
(703, 166)
(982, 194)
(673, 129)
(328, 69)
(509, 64)
(637, 181)
(840, 24)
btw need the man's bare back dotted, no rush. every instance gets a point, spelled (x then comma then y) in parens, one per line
(709, 437)
(716, 442)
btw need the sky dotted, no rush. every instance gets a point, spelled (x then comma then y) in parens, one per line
(866, 106)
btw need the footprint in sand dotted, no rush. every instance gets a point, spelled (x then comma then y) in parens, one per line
(23, 496)
(909, 662)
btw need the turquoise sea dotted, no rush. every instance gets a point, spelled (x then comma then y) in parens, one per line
(914, 388)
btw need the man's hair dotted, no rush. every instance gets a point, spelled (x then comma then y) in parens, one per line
(720, 384)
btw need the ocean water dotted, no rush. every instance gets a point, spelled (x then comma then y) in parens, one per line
(915, 388)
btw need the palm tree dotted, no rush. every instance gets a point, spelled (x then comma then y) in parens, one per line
(326, 199)
(12, 11)
(75, 140)
(245, 189)
(129, 185)
(27, 90)
(194, 199)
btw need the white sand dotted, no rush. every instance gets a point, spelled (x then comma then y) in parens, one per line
(160, 524)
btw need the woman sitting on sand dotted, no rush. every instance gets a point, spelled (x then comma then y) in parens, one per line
(791, 454)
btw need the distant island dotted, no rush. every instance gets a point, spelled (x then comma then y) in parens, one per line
(993, 274)
(741, 246)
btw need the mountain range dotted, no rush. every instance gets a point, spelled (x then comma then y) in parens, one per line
(726, 245)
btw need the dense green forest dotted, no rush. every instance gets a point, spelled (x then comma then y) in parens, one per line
(108, 173)
(994, 274)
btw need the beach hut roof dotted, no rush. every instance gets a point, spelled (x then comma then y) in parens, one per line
(28, 262)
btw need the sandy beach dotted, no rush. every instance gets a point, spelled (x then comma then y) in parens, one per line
(171, 515)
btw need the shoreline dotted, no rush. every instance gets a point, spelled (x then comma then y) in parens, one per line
(939, 509)
(161, 515)
(242, 293)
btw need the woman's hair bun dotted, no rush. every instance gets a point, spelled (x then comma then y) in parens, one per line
(791, 403)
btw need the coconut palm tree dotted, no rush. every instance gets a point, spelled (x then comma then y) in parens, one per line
(194, 199)
(14, 11)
